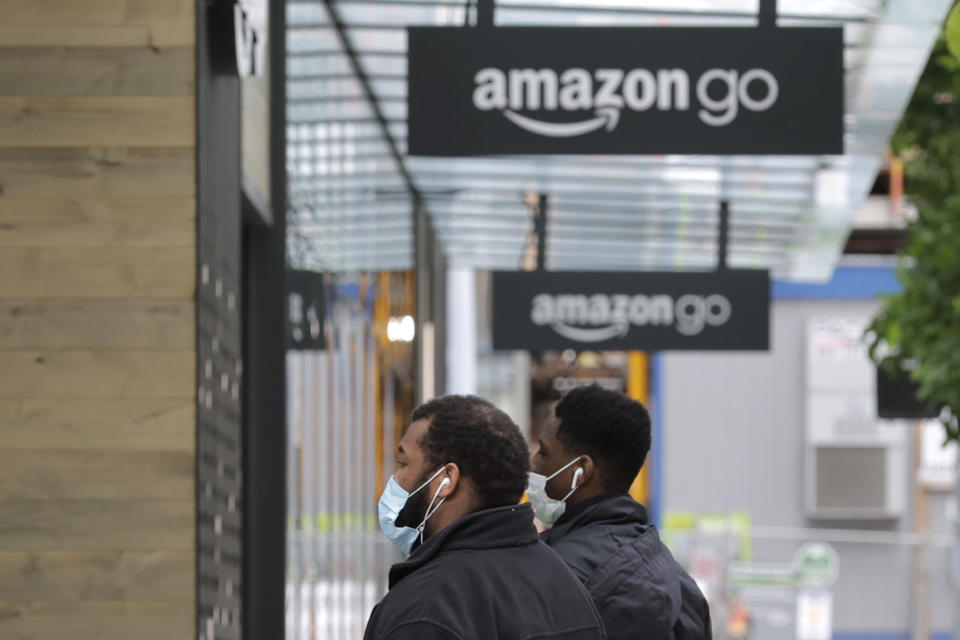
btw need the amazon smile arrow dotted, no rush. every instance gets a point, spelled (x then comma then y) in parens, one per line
(607, 117)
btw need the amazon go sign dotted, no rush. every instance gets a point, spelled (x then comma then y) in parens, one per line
(613, 90)
(651, 311)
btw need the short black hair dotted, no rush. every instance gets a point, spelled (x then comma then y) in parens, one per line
(611, 428)
(480, 439)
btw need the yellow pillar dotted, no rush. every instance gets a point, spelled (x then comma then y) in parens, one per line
(638, 388)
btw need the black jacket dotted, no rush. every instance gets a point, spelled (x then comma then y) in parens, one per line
(487, 576)
(638, 587)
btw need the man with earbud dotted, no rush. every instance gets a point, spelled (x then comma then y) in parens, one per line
(587, 460)
(477, 570)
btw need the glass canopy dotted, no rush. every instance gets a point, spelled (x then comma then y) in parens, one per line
(352, 186)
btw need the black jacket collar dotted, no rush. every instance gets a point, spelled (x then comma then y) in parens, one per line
(606, 508)
(510, 526)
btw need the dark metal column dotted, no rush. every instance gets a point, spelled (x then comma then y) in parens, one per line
(540, 228)
(265, 424)
(431, 287)
(723, 235)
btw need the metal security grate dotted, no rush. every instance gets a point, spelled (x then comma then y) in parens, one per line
(219, 542)
(219, 343)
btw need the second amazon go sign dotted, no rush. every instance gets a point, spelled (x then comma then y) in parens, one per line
(728, 310)
(526, 90)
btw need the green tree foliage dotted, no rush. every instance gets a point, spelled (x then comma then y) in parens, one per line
(921, 324)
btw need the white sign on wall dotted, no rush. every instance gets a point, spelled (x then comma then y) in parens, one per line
(856, 463)
(938, 463)
(814, 615)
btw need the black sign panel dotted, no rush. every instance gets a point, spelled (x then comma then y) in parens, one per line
(566, 90)
(306, 310)
(897, 398)
(721, 311)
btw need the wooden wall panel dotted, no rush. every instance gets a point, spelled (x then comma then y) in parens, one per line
(98, 389)
(98, 23)
(78, 121)
(97, 171)
(153, 221)
(96, 475)
(95, 323)
(81, 620)
(99, 71)
(107, 272)
(64, 576)
(104, 373)
(114, 424)
(97, 525)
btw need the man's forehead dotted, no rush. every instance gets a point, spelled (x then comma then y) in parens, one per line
(550, 429)
(410, 443)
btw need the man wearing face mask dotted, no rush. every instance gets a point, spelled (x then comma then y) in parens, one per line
(588, 458)
(477, 569)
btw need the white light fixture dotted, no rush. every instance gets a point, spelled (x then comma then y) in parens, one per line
(401, 329)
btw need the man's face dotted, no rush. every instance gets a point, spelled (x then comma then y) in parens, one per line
(410, 472)
(550, 456)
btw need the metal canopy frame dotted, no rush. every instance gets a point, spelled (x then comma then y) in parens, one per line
(353, 189)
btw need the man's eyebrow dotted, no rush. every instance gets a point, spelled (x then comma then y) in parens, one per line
(400, 449)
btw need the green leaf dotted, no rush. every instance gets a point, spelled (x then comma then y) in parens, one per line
(952, 31)
(950, 63)
(893, 335)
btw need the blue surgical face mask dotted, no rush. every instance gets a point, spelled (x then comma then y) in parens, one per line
(392, 501)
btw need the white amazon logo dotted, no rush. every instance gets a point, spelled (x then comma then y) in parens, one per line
(606, 92)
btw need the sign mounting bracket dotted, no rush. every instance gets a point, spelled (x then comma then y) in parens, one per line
(723, 236)
(484, 13)
(767, 15)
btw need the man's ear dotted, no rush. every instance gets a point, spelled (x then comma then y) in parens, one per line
(450, 476)
(586, 463)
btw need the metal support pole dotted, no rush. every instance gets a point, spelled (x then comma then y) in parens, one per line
(540, 227)
(264, 448)
(423, 270)
(723, 239)
(767, 15)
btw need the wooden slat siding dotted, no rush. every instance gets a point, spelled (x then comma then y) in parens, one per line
(113, 12)
(119, 232)
(94, 208)
(65, 576)
(97, 171)
(88, 272)
(79, 121)
(97, 23)
(96, 475)
(97, 71)
(100, 525)
(95, 620)
(98, 374)
(85, 35)
(97, 222)
(90, 324)
(97, 319)
(116, 425)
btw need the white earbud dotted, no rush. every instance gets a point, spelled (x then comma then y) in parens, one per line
(576, 478)
(445, 482)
